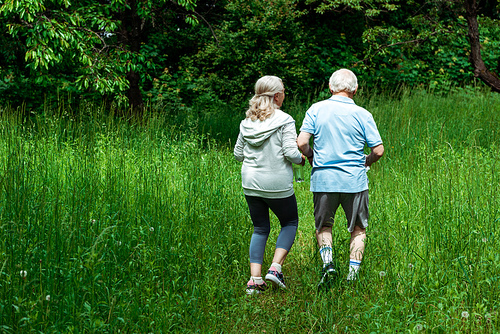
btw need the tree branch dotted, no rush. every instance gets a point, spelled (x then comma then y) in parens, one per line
(209, 26)
(416, 41)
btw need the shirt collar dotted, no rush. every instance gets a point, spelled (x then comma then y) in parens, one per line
(343, 99)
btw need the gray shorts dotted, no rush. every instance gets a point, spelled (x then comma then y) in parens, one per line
(355, 207)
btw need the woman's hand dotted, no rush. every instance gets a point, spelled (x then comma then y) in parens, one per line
(303, 162)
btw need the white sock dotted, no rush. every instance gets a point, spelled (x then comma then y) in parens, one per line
(257, 280)
(353, 269)
(277, 266)
(326, 255)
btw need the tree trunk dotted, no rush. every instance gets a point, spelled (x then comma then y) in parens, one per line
(475, 58)
(134, 92)
(132, 33)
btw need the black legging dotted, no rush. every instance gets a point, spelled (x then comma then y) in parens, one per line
(286, 211)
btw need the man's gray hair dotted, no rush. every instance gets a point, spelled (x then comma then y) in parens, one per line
(343, 80)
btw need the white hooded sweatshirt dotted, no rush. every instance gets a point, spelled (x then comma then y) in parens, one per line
(267, 149)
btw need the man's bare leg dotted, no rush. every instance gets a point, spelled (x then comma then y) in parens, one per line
(324, 238)
(358, 236)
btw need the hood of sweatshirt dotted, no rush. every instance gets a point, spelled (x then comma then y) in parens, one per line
(256, 132)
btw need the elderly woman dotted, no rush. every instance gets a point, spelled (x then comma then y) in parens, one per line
(267, 147)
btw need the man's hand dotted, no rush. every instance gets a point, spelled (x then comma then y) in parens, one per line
(311, 158)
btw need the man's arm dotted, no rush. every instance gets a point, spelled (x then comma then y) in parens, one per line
(304, 147)
(376, 153)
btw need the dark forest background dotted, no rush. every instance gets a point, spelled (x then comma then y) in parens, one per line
(173, 54)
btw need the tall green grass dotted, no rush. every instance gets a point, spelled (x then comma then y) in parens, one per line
(114, 225)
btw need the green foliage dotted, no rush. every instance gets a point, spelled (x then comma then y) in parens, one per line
(87, 50)
(304, 42)
(370, 8)
(254, 39)
(424, 47)
(84, 45)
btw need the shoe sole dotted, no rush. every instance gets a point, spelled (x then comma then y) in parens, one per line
(275, 281)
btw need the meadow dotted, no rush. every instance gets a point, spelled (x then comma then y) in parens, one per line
(111, 224)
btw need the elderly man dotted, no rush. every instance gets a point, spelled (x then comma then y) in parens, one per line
(340, 131)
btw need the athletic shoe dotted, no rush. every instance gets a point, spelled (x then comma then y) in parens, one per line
(276, 278)
(255, 289)
(327, 275)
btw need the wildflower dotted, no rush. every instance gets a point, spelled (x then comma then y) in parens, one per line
(47, 298)
(410, 265)
(382, 274)
(419, 327)
(484, 240)
(23, 273)
(465, 314)
(93, 221)
(118, 243)
(151, 229)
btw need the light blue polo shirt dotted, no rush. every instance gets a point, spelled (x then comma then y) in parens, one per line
(341, 129)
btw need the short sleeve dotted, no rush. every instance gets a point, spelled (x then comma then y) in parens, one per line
(308, 124)
(372, 136)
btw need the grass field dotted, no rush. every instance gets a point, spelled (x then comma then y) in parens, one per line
(112, 225)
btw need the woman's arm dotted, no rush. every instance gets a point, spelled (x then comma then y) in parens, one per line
(289, 144)
(238, 148)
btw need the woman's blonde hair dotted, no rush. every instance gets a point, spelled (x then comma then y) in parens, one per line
(262, 104)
